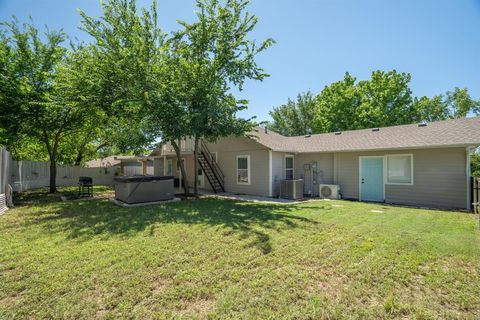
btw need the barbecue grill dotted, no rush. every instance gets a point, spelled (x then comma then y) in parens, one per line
(85, 187)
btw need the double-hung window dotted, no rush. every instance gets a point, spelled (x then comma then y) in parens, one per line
(289, 167)
(169, 167)
(400, 169)
(243, 169)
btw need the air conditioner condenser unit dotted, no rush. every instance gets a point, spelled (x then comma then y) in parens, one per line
(329, 191)
(291, 189)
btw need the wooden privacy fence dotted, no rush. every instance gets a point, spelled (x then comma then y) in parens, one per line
(27, 175)
(476, 195)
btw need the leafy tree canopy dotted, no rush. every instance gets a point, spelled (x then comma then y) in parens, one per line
(383, 100)
(176, 86)
(43, 110)
(475, 164)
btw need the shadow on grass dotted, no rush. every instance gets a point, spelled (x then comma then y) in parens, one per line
(42, 196)
(83, 220)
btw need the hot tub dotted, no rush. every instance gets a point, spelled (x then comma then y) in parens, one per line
(139, 189)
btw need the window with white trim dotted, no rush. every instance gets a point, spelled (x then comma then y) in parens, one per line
(243, 169)
(400, 169)
(289, 167)
(169, 167)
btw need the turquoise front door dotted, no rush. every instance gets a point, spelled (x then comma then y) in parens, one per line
(371, 179)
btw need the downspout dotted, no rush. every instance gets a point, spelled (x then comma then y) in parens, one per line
(335, 175)
(270, 174)
(469, 179)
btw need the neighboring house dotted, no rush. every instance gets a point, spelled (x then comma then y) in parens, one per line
(418, 164)
(103, 162)
(128, 165)
(135, 165)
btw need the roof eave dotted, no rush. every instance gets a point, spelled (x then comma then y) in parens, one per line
(437, 146)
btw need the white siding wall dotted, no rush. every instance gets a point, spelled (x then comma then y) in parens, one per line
(440, 178)
(278, 171)
(325, 173)
(228, 149)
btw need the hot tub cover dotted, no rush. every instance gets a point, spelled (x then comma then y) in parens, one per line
(142, 178)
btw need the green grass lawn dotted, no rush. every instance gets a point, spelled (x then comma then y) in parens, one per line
(226, 259)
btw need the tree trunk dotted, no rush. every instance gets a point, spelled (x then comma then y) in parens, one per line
(195, 167)
(182, 167)
(53, 175)
(79, 158)
(53, 163)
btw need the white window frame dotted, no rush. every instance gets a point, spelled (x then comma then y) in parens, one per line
(387, 157)
(293, 165)
(215, 156)
(171, 167)
(247, 156)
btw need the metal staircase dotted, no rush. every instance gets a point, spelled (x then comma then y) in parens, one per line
(210, 168)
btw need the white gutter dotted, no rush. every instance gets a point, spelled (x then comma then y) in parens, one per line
(469, 152)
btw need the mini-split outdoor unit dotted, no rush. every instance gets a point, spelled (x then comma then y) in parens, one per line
(329, 191)
(291, 189)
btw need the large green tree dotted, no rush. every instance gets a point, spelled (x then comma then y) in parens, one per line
(135, 78)
(454, 104)
(383, 100)
(214, 55)
(336, 106)
(295, 117)
(136, 74)
(39, 103)
(180, 86)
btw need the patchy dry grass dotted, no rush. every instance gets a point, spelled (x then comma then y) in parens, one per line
(226, 259)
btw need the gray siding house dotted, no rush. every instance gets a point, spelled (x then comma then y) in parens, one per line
(419, 164)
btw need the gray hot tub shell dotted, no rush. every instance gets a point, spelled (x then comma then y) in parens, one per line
(144, 189)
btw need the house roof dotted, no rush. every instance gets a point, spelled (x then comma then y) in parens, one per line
(156, 152)
(102, 162)
(113, 161)
(140, 157)
(455, 132)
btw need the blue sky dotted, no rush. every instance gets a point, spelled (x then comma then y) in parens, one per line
(437, 41)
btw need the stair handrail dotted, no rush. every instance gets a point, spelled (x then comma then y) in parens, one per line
(213, 164)
(209, 178)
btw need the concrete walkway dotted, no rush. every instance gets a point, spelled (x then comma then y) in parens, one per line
(244, 197)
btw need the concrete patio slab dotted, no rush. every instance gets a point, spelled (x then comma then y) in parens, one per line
(249, 198)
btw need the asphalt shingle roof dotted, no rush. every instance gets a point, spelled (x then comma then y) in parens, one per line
(455, 132)
(102, 162)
